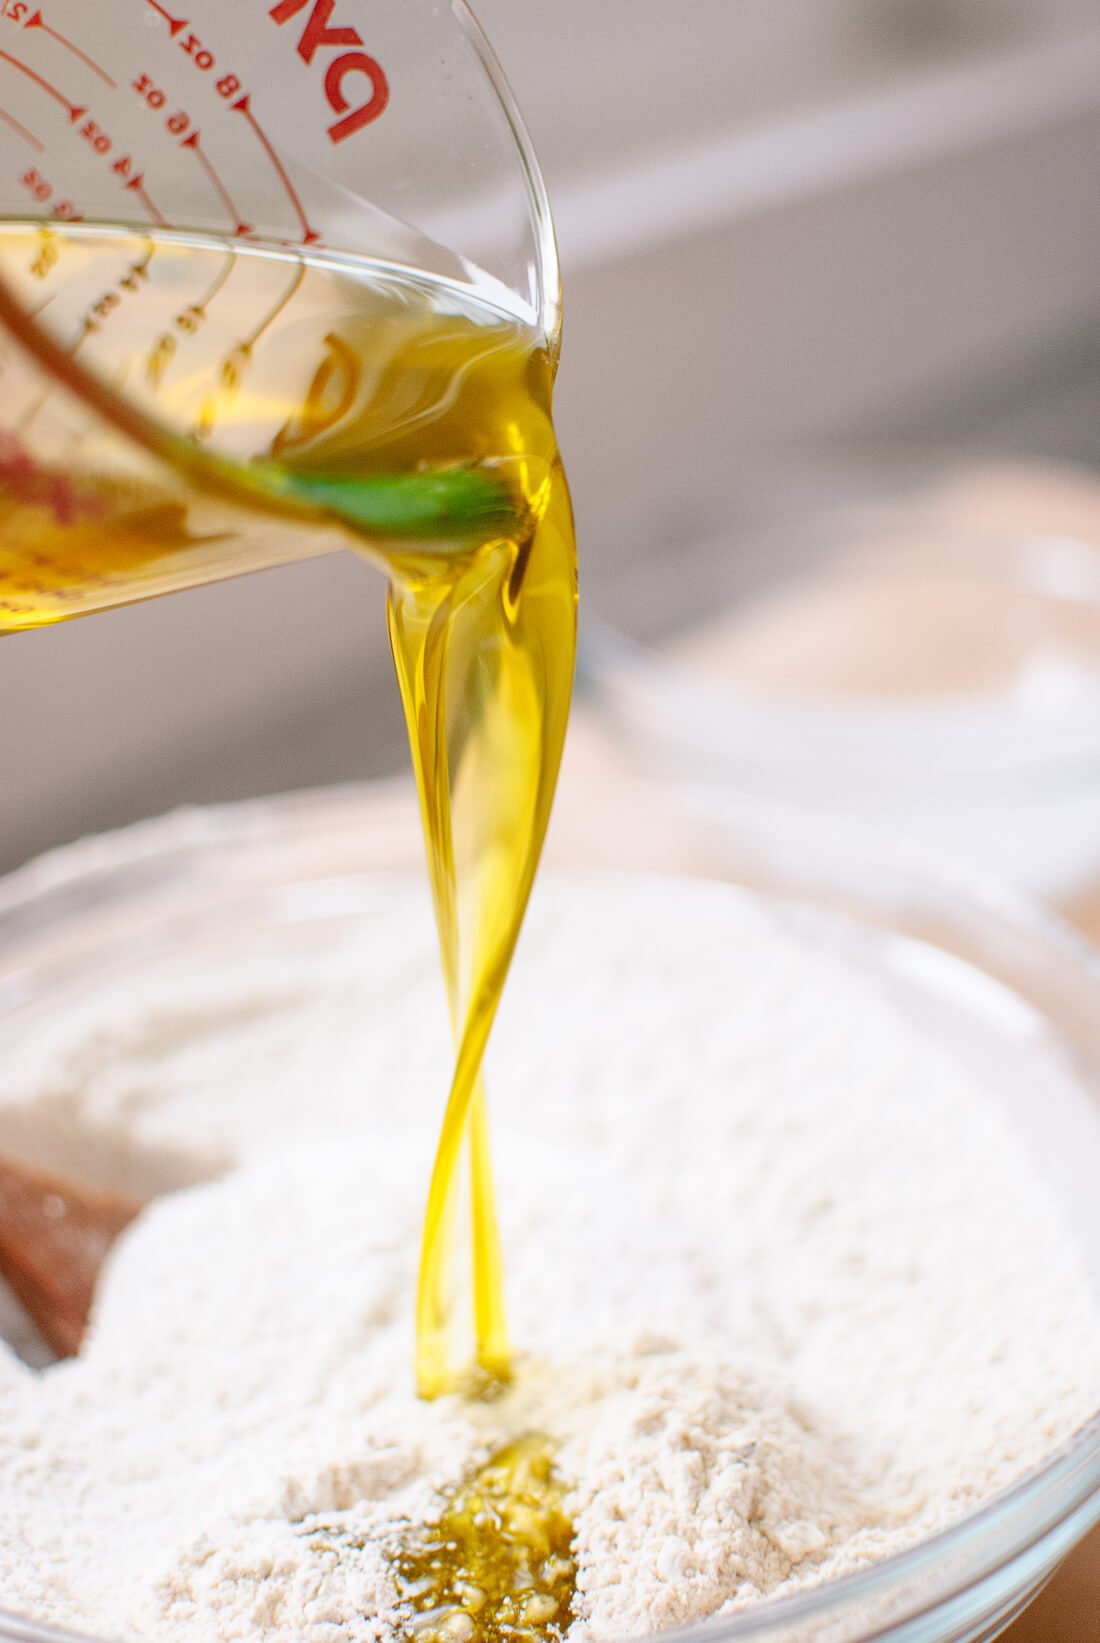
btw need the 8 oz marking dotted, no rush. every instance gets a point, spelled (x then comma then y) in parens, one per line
(198, 53)
(204, 59)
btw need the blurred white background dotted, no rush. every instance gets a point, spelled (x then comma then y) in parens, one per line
(789, 231)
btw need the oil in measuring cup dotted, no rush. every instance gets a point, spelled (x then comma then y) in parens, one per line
(214, 185)
(208, 406)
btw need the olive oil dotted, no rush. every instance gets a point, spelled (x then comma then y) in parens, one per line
(184, 408)
(497, 1565)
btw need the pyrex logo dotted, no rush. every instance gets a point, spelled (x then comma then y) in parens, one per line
(343, 74)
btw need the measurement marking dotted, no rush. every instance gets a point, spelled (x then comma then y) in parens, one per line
(238, 359)
(193, 142)
(164, 351)
(23, 424)
(10, 120)
(208, 297)
(47, 254)
(35, 22)
(86, 329)
(136, 187)
(243, 105)
(159, 358)
(269, 319)
(174, 23)
(142, 267)
(74, 112)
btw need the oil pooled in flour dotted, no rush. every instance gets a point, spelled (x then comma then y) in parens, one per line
(497, 1566)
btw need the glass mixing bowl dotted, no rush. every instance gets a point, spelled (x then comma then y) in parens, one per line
(1013, 992)
(914, 646)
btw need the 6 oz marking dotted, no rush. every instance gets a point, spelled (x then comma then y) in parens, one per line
(43, 191)
(96, 135)
(192, 47)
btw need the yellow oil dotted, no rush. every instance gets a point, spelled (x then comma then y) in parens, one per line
(187, 408)
(497, 1565)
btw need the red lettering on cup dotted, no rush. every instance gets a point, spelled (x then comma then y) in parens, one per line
(316, 32)
(354, 62)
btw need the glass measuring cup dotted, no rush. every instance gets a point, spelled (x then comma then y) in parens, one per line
(269, 142)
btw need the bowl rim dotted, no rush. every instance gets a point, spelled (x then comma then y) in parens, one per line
(827, 752)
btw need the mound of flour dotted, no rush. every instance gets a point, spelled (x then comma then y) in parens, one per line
(790, 1294)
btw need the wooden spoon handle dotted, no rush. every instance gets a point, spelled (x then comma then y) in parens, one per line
(54, 1238)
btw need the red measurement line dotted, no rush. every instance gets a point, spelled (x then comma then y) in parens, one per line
(174, 23)
(136, 187)
(243, 106)
(193, 142)
(35, 22)
(58, 97)
(10, 120)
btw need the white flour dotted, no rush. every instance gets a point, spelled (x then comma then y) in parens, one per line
(792, 1296)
